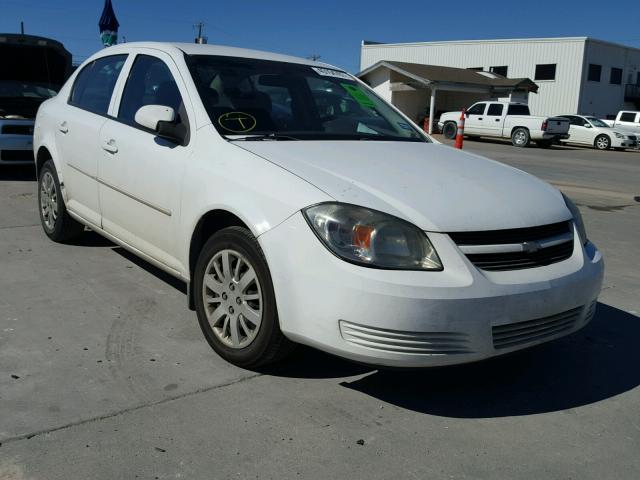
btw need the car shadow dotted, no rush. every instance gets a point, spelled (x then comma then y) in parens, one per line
(597, 363)
(18, 173)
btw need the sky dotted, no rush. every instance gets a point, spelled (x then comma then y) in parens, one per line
(332, 29)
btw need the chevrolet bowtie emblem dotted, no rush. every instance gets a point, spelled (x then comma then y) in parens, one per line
(531, 247)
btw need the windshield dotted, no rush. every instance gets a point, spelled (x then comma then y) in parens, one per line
(249, 97)
(596, 122)
(17, 89)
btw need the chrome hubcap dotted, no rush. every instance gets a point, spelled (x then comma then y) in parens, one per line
(232, 298)
(48, 200)
(520, 138)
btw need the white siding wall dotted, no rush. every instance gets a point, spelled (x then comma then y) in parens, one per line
(521, 56)
(602, 98)
(380, 81)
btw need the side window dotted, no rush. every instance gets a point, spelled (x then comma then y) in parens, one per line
(94, 85)
(150, 83)
(627, 117)
(495, 109)
(477, 109)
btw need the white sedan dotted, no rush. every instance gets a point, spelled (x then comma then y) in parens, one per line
(300, 207)
(598, 134)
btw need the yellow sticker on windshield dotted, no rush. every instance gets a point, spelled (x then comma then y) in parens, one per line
(237, 122)
(358, 95)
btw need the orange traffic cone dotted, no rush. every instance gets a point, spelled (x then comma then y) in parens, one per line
(460, 133)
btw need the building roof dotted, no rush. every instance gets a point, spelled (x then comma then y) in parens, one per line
(373, 44)
(435, 75)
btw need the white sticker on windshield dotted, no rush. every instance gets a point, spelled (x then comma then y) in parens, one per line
(327, 72)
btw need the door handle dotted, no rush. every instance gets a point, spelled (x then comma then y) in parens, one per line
(63, 127)
(480, 118)
(110, 146)
(497, 119)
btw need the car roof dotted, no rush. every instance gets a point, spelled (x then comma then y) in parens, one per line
(221, 50)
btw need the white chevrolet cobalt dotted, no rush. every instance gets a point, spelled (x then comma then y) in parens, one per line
(299, 207)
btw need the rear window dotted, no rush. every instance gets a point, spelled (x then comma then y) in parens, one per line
(518, 110)
(94, 85)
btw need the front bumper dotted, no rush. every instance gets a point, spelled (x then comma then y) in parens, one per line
(16, 148)
(420, 319)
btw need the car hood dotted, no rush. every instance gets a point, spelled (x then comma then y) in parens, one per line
(433, 186)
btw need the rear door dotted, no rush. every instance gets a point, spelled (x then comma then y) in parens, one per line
(492, 122)
(140, 174)
(578, 132)
(475, 121)
(78, 130)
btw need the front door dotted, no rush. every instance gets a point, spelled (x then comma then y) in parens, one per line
(140, 174)
(474, 124)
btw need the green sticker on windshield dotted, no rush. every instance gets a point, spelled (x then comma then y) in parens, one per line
(358, 95)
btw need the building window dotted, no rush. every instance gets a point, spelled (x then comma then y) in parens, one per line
(546, 71)
(500, 70)
(594, 72)
(616, 76)
(477, 69)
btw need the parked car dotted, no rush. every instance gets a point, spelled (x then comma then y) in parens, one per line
(34, 69)
(596, 133)
(337, 224)
(506, 120)
(626, 120)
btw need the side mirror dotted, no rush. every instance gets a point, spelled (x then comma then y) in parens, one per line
(587, 125)
(162, 120)
(150, 116)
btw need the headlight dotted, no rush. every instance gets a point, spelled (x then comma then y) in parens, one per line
(577, 219)
(371, 238)
(619, 135)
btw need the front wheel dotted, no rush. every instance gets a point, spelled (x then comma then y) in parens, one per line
(450, 130)
(55, 220)
(602, 142)
(520, 137)
(235, 300)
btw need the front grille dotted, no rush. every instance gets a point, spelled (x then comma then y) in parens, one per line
(517, 248)
(632, 138)
(17, 129)
(395, 341)
(16, 155)
(521, 333)
(513, 235)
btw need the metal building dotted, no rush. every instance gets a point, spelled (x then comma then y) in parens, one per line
(574, 74)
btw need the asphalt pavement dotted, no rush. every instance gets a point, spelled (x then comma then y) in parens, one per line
(104, 373)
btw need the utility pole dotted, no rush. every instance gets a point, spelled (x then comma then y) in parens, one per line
(200, 39)
(21, 28)
(314, 56)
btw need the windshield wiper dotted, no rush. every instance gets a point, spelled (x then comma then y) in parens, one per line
(266, 136)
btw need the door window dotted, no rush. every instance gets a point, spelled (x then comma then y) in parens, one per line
(495, 110)
(477, 109)
(627, 117)
(150, 83)
(94, 85)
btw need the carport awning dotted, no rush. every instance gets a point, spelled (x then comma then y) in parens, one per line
(416, 76)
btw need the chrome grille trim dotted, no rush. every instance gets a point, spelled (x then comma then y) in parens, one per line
(520, 333)
(395, 341)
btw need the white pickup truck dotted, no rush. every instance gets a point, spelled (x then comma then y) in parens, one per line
(626, 120)
(506, 120)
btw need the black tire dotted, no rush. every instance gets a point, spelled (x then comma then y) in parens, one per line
(602, 142)
(269, 344)
(450, 130)
(56, 221)
(520, 137)
(544, 143)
